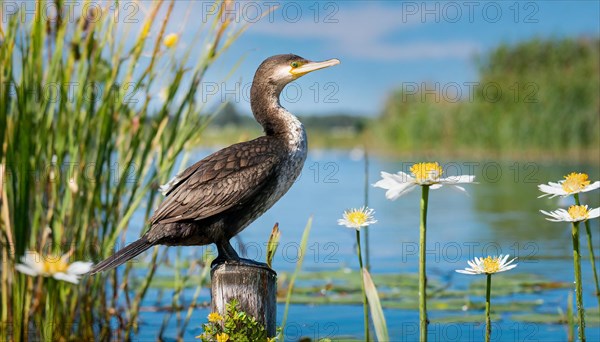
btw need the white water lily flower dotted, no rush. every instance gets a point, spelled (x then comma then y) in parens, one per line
(33, 264)
(489, 265)
(358, 218)
(422, 174)
(573, 183)
(575, 213)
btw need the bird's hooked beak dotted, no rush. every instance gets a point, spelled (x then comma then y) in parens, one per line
(312, 66)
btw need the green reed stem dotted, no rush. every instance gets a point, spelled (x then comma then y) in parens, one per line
(488, 321)
(578, 287)
(362, 282)
(366, 204)
(422, 268)
(570, 322)
(588, 232)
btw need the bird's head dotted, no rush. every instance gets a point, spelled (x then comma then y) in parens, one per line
(280, 70)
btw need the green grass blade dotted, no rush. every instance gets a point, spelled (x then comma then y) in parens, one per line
(302, 250)
(273, 243)
(376, 310)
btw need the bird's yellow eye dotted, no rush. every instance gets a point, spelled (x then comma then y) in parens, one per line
(294, 64)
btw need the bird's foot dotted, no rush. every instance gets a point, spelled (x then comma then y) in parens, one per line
(228, 255)
(253, 262)
(221, 260)
(238, 261)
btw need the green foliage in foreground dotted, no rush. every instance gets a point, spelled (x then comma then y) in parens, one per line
(538, 95)
(84, 142)
(236, 325)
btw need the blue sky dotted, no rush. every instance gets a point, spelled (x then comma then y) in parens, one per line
(383, 45)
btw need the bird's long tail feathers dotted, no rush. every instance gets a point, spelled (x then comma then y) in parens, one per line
(122, 256)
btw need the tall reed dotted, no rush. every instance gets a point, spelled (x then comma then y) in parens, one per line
(85, 143)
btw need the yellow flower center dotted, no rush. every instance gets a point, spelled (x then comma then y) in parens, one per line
(357, 217)
(575, 182)
(222, 337)
(578, 212)
(170, 40)
(427, 172)
(491, 265)
(214, 317)
(53, 264)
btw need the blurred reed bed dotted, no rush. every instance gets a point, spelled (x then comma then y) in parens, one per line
(531, 97)
(80, 155)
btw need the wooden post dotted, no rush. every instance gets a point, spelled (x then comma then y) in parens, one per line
(253, 286)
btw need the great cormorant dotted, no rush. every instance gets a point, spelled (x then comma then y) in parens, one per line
(219, 196)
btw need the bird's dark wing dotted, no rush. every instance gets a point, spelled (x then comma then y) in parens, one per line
(218, 182)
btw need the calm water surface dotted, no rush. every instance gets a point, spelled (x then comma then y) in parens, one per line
(499, 215)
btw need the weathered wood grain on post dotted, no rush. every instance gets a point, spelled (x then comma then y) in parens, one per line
(254, 287)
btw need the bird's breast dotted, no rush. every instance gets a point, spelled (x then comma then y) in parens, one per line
(297, 150)
(292, 161)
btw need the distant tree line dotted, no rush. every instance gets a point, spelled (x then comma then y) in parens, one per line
(228, 116)
(540, 94)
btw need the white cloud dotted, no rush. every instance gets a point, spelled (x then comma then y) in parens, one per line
(365, 31)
